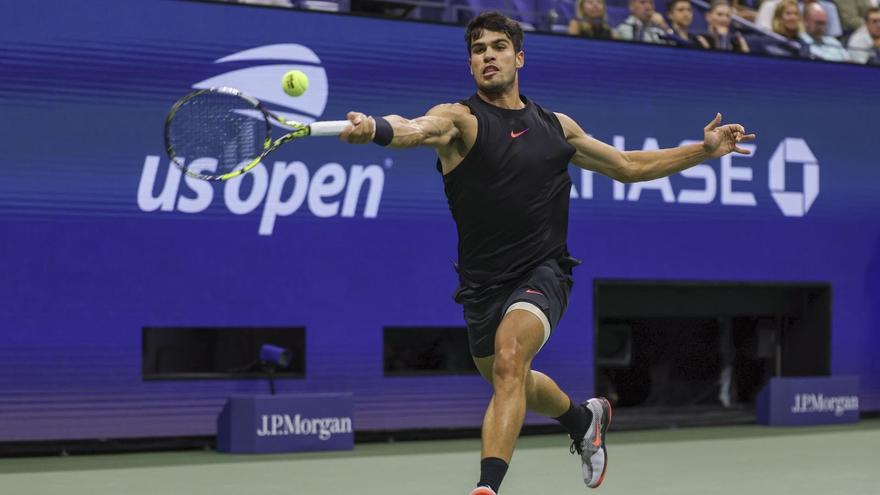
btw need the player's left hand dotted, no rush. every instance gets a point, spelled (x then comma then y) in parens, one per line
(719, 141)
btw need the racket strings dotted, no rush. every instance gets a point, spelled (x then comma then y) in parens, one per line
(216, 133)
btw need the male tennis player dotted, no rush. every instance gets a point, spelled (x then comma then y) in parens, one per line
(504, 161)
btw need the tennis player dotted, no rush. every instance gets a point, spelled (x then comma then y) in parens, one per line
(504, 161)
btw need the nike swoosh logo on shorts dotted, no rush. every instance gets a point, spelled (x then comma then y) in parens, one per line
(518, 134)
(530, 291)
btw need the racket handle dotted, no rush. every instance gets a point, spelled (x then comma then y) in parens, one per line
(328, 128)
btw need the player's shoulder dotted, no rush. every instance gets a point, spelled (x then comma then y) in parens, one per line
(569, 126)
(563, 118)
(451, 110)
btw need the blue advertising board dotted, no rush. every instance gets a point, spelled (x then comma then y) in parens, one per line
(803, 401)
(103, 237)
(251, 424)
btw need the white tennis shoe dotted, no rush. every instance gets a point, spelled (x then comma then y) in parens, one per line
(594, 456)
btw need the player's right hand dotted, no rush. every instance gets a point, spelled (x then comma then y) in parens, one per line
(361, 130)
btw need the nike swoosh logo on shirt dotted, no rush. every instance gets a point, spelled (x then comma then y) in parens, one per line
(518, 134)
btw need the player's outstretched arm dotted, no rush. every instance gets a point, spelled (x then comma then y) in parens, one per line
(436, 129)
(635, 166)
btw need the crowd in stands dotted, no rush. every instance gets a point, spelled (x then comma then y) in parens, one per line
(838, 30)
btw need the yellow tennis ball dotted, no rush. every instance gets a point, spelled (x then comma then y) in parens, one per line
(295, 83)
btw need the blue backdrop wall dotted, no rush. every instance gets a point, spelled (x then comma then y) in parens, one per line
(100, 237)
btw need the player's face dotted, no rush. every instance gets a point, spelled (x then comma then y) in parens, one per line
(494, 62)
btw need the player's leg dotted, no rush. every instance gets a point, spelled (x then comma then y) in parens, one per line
(517, 340)
(543, 395)
(544, 296)
(545, 293)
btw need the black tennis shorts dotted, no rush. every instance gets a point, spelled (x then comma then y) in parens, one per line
(544, 291)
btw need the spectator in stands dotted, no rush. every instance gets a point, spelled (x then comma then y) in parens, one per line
(720, 36)
(591, 20)
(787, 19)
(768, 7)
(787, 27)
(643, 24)
(681, 15)
(864, 44)
(852, 13)
(821, 46)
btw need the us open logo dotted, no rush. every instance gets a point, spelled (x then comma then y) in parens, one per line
(281, 188)
(264, 81)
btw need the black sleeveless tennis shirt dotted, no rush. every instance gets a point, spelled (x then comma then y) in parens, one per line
(510, 195)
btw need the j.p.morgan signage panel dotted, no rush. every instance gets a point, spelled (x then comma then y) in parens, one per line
(809, 401)
(286, 423)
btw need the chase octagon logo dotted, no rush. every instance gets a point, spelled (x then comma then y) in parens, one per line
(794, 151)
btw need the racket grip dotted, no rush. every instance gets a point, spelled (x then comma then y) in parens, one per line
(328, 128)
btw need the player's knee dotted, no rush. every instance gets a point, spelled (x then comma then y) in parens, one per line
(509, 367)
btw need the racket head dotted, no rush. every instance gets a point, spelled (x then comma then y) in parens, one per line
(219, 124)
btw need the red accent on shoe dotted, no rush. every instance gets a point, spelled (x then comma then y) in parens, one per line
(605, 469)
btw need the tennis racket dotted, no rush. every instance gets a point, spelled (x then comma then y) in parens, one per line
(232, 128)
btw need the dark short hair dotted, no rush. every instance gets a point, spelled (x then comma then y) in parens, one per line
(671, 4)
(872, 10)
(494, 21)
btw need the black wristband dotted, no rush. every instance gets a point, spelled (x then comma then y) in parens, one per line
(384, 132)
